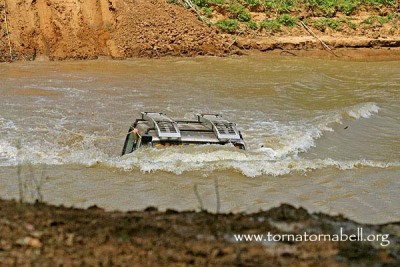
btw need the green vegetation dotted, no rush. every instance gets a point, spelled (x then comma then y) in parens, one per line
(208, 11)
(287, 20)
(380, 2)
(325, 8)
(201, 3)
(383, 20)
(252, 25)
(216, 2)
(253, 3)
(320, 24)
(369, 20)
(347, 7)
(272, 26)
(280, 6)
(239, 12)
(351, 25)
(228, 25)
(323, 23)
(377, 20)
(337, 15)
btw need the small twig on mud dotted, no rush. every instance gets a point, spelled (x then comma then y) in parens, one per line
(217, 195)
(19, 170)
(234, 39)
(37, 194)
(7, 31)
(286, 51)
(319, 39)
(39, 183)
(24, 56)
(33, 185)
(198, 197)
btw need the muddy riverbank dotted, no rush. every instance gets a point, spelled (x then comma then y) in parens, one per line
(43, 235)
(60, 29)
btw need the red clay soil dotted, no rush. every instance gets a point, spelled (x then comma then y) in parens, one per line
(65, 29)
(62, 29)
(43, 235)
(154, 28)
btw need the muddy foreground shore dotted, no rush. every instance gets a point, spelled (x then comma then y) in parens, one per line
(45, 235)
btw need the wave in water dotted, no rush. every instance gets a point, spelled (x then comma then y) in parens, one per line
(298, 137)
(248, 163)
(363, 111)
(279, 156)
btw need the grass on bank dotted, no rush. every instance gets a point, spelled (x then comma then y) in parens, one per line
(322, 7)
(233, 16)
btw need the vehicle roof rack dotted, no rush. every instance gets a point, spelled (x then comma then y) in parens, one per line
(222, 128)
(165, 126)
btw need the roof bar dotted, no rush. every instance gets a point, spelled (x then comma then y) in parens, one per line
(165, 126)
(221, 127)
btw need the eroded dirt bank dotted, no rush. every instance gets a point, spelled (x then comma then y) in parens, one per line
(63, 29)
(72, 29)
(42, 235)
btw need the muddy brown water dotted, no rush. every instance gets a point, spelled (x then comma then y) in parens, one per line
(324, 135)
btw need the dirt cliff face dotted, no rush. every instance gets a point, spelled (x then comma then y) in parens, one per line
(153, 28)
(63, 29)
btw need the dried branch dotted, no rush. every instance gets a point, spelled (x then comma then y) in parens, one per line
(196, 192)
(319, 39)
(217, 195)
(19, 171)
(189, 4)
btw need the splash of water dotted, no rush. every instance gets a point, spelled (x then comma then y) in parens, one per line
(279, 156)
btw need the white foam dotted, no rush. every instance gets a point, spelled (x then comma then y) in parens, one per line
(363, 111)
(279, 156)
(7, 124)
(8, 153)
(299, 137)
(249, 164)
(178, 159)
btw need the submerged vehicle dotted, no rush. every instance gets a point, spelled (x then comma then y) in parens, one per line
(157, 129)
